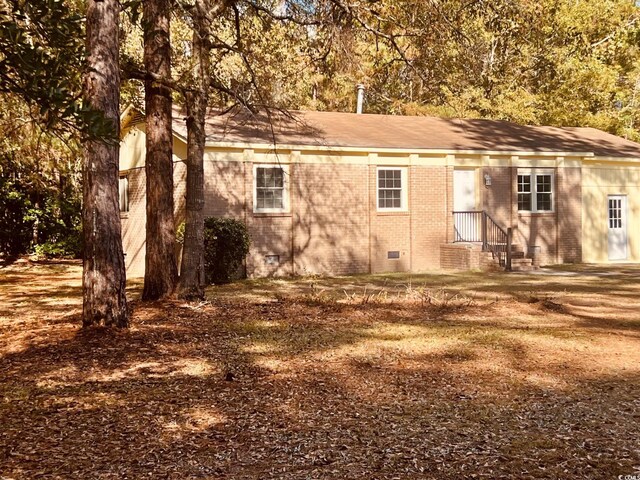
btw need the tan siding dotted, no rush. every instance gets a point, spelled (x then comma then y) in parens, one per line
(599, 181)
(132, 147)
(134, 224)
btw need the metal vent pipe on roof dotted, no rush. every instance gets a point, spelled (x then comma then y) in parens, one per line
(360, 88)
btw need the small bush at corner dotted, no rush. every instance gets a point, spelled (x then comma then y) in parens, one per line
(226, 243)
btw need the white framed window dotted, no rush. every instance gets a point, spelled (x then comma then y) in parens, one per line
(123, 193)
(391, 189)
(536, 190)
(271, 188)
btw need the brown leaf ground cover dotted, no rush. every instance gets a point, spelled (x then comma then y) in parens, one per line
(442, 376)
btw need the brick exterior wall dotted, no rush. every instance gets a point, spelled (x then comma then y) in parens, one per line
(456, 256)
(224, 188)
(539, 230)
(431, 206)
(569, 208)
(498, 199)
(271, 235)
(557, 233)
(390, 232)
(334, 226)
(330, 218)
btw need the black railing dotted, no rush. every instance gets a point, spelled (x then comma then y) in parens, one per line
(479, 227)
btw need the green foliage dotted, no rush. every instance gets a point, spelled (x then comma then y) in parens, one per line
(68, 246)
(180, 233)
(37, 221)
(42, 62)
(39, 185)
(15, 230)
(226, 244)
(555, 62)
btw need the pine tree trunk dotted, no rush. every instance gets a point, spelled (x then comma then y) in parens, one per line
(161, 271)
(103, 282)
(192, 275)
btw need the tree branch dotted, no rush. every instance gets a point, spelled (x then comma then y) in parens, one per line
(135, 72)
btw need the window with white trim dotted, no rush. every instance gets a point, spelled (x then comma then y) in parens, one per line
(271, 188)
(123, 193)
(391, 188)
(535, 190)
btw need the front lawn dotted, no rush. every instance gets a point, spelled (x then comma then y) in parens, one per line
(443, 376)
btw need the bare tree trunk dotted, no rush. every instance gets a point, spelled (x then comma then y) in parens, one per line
(192, 275)
(103, 282)
(161, 270)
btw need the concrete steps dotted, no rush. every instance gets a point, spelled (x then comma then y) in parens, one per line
(522, 264)
(519, 261)
(467, 256)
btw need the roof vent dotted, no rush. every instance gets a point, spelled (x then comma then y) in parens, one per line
(360, 89)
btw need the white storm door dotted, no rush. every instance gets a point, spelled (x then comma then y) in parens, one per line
(617, 226)
(464, 200)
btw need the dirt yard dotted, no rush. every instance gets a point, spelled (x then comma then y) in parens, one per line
(437, 376)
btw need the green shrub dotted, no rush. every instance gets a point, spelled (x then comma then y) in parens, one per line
(42, 221)
(15, 230)
(226, 243)
(67, 247)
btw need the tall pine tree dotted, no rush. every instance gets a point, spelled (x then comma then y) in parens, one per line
(161, 271)
(104, 299)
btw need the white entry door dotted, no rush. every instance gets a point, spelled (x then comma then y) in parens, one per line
(617, 218)
(467, 226)
(464, 190)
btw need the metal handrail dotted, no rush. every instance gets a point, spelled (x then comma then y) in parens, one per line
(477, 226)
(466, 226)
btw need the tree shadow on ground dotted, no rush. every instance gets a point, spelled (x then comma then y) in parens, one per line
(308, 386)
(579, 279)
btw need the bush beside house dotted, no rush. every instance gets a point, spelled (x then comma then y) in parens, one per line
(226, 244)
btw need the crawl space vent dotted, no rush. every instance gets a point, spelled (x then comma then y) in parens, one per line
(272, 259)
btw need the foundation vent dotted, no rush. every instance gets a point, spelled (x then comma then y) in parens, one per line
(272, 259)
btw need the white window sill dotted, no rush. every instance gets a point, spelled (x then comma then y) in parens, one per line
(392, 212)
(528, 213)
(263, 213)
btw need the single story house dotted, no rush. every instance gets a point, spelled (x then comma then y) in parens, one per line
(343, 193)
